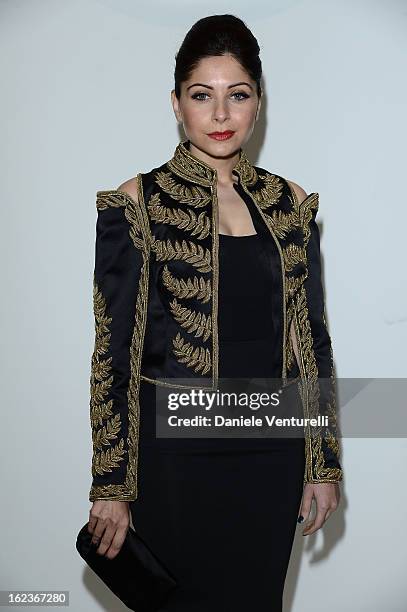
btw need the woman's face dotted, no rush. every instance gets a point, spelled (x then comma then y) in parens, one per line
(219, 96)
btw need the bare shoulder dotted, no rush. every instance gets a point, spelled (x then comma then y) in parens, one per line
(299, 191)
(130, 187)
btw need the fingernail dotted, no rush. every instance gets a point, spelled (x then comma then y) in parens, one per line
(300, 519)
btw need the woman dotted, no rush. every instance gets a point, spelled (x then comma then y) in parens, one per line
(208, 267)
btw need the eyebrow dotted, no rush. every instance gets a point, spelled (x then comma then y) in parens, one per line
(209, 87)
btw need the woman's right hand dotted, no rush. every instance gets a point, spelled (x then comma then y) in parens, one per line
(109, 521)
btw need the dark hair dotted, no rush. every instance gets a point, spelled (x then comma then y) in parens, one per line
(218, 35)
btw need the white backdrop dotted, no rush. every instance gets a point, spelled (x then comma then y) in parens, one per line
(85, 105)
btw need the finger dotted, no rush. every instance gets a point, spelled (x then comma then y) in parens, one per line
(106, 540)
(332, 504)
(98, 531)
(117, 543)
(306, 505)
(318, 521)
(331, 510)
(92, 523)
(93, 519)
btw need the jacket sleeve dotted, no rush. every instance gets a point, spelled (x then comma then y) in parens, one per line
(120, 287)
(322, 447)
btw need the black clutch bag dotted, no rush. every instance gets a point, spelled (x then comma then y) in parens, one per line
(135, 574)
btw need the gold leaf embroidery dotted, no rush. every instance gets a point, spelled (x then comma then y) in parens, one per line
(315, 459)
(192, 321)
(247, 171)
(198, 358)
(270, 194)
(102, 368)
(299, 217)
(199, 226)
(332, 442)
(305, 211)
(198, 288)
(193, 196)
(293, 255)
(101, 381)
(101, 411)
(109, 432)
(106, 461)
(188, 167)
(293, 283)
(306, 342)
(101, 389)
(280, 223)
(190, 252)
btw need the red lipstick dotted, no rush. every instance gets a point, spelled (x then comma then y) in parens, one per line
(221, 135)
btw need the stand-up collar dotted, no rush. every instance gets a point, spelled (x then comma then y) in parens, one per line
(188, 166)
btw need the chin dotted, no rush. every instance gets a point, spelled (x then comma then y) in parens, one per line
(215, 148)
(225, 147)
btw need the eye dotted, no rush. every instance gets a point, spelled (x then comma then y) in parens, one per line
(241, 93)
(196, 95)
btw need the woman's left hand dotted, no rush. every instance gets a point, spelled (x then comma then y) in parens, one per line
(327, 496)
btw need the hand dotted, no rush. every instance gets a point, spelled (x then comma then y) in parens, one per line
(108, 522)
(327, 496)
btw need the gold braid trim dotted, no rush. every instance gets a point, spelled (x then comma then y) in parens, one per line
(288, 341)
(110, 198)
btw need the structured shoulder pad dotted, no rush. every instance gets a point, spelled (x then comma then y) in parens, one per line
(307, 211)
(112, 198)
(134, 212)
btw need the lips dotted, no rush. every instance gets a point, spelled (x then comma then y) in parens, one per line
(221, 135)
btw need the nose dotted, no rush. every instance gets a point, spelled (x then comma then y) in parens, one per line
(220, 111)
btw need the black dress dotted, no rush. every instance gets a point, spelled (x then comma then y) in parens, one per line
(222, 513)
